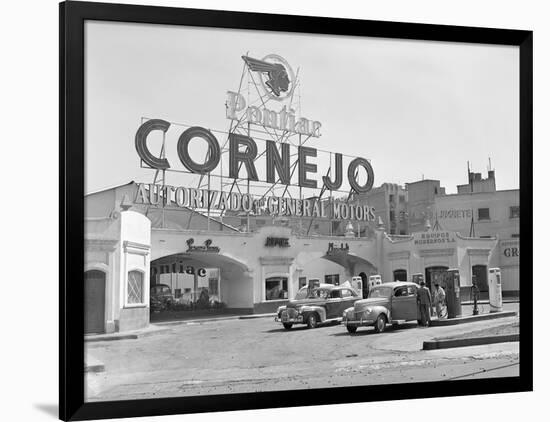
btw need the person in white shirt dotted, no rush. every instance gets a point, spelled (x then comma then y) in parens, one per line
(439, 299)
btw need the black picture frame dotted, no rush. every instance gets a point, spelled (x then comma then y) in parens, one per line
(72, 16)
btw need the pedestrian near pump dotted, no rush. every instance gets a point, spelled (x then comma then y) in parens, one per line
(424, 301)
(439, 299)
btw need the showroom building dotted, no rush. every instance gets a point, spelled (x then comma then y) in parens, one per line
(131, 247)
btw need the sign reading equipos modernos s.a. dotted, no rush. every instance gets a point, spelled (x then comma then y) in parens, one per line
(434, 238)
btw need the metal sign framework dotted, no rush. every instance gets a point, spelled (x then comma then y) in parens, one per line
(250, 86)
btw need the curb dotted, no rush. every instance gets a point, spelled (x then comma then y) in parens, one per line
(253, 316)
(93, 365)
(471, 341)
(227, 318)
(472, 318)
(195, 321)
(486, 302)
(129, 336)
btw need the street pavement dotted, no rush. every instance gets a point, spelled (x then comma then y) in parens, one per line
(232, 356)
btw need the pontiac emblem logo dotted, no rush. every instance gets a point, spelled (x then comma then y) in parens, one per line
(275, 73)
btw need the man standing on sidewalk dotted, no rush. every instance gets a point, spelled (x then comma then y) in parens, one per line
(424, 301)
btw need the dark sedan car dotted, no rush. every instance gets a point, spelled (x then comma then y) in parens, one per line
(388, 303)
(322, 304)
(161, 297)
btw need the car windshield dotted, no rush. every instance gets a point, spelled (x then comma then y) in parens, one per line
(319, 293)
(380, 292)
(161, 289)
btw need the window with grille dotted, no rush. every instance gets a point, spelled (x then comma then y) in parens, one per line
(135, 287)
(483, 214)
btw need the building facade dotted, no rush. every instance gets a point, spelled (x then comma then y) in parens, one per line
(132, 247)
(477, 210)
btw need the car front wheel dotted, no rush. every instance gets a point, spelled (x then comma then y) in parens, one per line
(312, 320)
(287, 325)
(380, 325)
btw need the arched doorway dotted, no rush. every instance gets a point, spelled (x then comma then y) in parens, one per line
(400, 275)
(94, 302)
(191, 284)
(434, 274)
(479, 275)
(365, 282)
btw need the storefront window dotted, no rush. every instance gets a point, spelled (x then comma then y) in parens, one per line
(213, 286)
(276, 288)
(135, 287)
(333, 279)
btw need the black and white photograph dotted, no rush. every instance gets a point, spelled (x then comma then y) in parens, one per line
(273, 211)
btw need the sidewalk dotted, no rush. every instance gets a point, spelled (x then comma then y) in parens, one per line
(464, 319)
(486, 302)
(152, 329)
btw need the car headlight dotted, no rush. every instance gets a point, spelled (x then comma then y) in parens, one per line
(368, 310)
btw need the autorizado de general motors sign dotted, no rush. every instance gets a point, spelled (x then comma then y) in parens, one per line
(244, 157)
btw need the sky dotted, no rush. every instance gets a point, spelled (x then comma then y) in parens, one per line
(415, 109)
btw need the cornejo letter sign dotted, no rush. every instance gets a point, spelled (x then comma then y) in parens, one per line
(243, 151)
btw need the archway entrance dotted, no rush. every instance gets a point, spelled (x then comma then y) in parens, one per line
(353, 266)
(479, 275)
(434, 274)
(94, 302)
(193, 284)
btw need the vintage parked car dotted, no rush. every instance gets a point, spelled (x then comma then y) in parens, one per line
(161, 297)
(388, 303)
(317, 306)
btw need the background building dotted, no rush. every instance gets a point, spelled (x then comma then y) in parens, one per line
(390, 203)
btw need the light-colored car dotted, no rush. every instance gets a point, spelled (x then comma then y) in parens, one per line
(320, 305)
(388, 303)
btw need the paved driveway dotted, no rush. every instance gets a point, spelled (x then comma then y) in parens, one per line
(259, 355)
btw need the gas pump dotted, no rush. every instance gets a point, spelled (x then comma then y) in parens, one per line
(417, 278)
(495, 290)
(357, 284)
(375, 280)
(452, 292)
